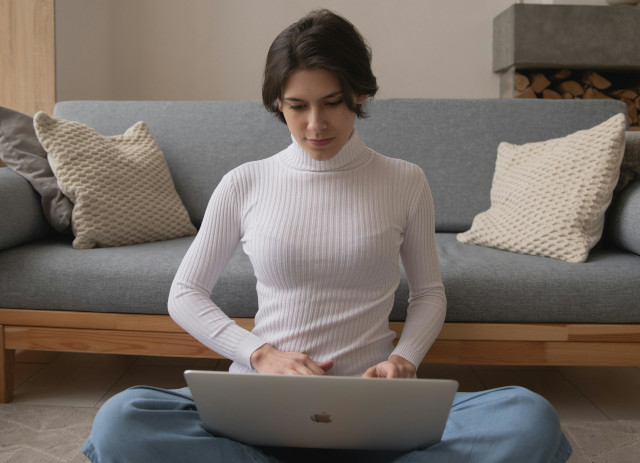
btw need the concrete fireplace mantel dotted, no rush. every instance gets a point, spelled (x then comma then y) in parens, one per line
(567, 36)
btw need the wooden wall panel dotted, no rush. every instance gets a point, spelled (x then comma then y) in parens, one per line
(27, 55)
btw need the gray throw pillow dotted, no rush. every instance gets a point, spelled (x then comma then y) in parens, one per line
(623, 220)
(22, 152)
(630, 167)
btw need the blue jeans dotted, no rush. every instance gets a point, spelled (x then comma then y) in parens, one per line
(145, 424)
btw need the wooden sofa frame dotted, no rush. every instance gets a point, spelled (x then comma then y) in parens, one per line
(458, 343)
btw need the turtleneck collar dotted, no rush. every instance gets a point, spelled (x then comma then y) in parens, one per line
(353, 154)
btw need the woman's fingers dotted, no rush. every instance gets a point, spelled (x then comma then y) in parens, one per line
(395, 367)
(269, 360)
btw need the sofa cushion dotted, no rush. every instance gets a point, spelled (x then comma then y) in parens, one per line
(51, 274)
(482, 284)
(120, 186)
(22, 152)
(494, 286)
(549, 198)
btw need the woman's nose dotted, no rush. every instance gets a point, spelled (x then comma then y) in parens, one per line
(317, 121)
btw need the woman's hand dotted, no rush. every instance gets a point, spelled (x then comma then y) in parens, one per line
(395, 367)
(269, 360)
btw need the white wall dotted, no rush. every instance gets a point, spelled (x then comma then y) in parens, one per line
(215, 49)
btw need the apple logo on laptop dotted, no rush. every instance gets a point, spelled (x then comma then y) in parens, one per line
(323, 417)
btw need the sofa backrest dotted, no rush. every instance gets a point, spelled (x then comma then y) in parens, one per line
(201, 140)
(454, 140)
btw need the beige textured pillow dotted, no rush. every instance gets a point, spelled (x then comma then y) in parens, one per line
(549, 198)
(120, 186)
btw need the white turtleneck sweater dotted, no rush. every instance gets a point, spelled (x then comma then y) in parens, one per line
(324, 239)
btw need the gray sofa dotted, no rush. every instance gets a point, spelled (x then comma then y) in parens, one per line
(503, 307)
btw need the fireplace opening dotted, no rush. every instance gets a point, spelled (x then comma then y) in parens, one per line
(575, 84)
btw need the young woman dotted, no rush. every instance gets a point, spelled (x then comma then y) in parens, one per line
(323, 222)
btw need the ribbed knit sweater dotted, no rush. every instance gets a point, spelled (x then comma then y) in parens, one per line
(324, 239)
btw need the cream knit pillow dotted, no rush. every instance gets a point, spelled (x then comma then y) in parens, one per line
(549, 198)
(120, 186)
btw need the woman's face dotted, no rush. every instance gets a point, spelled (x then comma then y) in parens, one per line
(314, 109)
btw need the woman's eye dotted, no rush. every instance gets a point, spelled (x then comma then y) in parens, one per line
(302, 107)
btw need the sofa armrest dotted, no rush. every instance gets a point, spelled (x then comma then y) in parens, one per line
(21, 217)
(623, 218)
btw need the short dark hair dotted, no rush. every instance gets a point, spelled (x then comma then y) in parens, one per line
(320, 40)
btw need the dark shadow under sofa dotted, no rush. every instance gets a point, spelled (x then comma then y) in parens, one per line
(503, 307)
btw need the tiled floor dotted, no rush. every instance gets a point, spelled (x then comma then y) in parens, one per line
(599, 407)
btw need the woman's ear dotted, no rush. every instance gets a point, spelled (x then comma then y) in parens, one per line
(360, 99)
(279, 104)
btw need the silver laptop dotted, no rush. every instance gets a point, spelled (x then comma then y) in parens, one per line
(323, 411)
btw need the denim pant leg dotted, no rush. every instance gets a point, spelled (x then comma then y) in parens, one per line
(500, 425)
(509, 424)
(145, 424)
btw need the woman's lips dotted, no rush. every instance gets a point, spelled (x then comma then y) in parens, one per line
(320, 141)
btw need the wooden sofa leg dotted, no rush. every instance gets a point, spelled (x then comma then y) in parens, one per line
(7, 369)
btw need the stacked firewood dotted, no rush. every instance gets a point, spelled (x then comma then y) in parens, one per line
(567, 84)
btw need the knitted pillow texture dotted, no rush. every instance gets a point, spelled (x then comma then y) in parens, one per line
(549, 198)
(121, 186)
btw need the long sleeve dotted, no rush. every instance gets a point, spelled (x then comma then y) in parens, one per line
(190, 304)
(427, 300)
